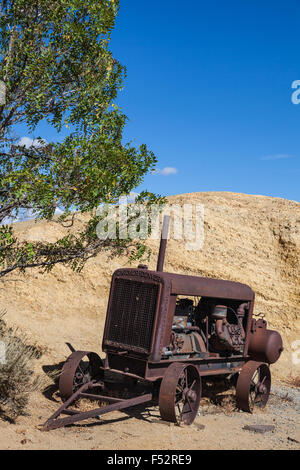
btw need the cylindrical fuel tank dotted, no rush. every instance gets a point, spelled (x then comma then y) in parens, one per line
(265, 345)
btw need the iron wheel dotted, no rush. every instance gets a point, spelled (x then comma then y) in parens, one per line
(180, 393)
(253, 386)
(76, 372)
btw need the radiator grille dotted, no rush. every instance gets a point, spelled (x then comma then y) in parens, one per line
(132, 313)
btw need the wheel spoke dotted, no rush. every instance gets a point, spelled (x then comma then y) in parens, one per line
(258, 399)
(185, 377)
(189, 403)
(253, 385)
(184, 412)
(79, 367)
(263, 380)
(180, 400)
(255, 375)
(191, 387)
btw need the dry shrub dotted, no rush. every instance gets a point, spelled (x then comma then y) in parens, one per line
(17, 377)
(295, 381)
(292, 380)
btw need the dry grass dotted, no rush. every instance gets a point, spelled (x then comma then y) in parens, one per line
(218, 397)
(293, 380)
(87, 405)
(17, 377)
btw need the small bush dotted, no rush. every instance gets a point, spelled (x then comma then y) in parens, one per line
(17, 377)
(294, 381)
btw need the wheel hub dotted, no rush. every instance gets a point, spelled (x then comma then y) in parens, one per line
(262, 388)
(191, 395)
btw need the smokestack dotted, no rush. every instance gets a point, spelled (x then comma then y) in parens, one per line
(163, 243)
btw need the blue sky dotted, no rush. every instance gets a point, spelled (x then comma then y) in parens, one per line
(209, 90)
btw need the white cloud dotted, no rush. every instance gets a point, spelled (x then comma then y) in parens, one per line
(58, 211)
(279, 156)
(168, 170)
(23, 215)
(28, 142)
(20, 216)
(8, 220)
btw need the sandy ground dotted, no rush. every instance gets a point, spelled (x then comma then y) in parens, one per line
(251, 239)
(216, 427)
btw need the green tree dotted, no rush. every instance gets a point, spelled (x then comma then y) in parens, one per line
(56, 66)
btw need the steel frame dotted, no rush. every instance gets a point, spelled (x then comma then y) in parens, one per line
(114, 404)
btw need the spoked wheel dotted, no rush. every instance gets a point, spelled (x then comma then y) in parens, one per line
(180, 393)
(253, 386)
(76, 372)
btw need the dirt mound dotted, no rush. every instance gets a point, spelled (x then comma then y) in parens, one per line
(250, 239)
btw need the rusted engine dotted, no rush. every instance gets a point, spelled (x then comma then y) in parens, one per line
(165, 332)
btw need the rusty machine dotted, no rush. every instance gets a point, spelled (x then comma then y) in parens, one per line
(164, 332)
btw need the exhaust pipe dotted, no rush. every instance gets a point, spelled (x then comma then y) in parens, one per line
(163, 243)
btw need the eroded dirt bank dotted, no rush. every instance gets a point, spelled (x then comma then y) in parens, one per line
(250, 239)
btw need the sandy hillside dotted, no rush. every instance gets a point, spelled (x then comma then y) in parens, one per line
(250, 239)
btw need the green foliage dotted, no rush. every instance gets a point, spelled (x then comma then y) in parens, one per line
(57, 67)
(57, 53)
